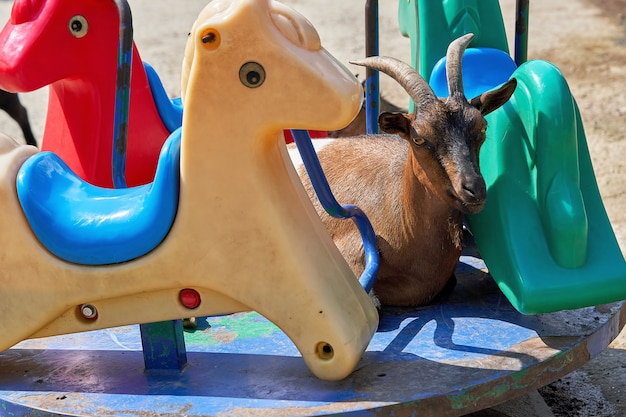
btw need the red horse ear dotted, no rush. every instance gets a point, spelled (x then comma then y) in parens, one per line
(25, 10)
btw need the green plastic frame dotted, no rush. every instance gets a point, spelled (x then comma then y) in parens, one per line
(544, 233)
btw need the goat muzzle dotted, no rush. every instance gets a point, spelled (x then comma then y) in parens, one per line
(472, 194)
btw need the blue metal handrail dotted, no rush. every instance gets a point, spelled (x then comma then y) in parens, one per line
(332, 207)
(122, 94)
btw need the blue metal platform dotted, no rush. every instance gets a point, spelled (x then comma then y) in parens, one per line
(471, 351)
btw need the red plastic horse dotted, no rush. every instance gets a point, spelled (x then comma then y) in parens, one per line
(72, 46)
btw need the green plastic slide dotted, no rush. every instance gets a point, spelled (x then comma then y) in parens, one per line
(544, 233)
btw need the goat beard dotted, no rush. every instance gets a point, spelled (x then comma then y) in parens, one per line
(455, 229)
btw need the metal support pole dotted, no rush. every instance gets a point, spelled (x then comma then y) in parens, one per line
(372, 83)
(163, 343)
(521, 31)
(163, 346)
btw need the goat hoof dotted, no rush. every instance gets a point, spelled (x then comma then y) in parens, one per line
(377, 304)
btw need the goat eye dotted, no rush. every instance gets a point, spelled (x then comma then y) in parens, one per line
(78, 26)
(419, 141)
(252, 74)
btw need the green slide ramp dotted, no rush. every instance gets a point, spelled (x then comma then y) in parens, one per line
(544, 233)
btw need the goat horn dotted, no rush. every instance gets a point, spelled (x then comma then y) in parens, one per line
(454, 59)
(417, 88)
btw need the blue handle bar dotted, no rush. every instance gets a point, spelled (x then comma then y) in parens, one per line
(122, 94)
(332, 207)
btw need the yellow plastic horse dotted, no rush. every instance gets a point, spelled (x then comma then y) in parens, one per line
(245, 236)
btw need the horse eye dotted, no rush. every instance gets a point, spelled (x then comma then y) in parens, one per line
(78, 26)
(252, 74)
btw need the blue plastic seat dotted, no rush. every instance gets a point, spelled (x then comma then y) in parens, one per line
(90, 225)
(483, 70)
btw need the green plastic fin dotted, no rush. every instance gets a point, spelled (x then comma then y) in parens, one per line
(544, 233)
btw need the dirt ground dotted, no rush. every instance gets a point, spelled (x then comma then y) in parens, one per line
(586, 39)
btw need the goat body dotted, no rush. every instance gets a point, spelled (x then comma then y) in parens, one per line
(419, 236)
(416, 186)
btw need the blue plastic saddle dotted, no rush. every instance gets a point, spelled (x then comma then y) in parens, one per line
(170, 110)
(483, 70)
(89, 225)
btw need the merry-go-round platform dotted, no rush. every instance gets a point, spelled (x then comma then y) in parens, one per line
(468, 352)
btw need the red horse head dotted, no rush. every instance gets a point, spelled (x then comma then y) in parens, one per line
(73, 47)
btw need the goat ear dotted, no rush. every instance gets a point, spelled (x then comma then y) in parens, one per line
(395, 123)
(491, 100)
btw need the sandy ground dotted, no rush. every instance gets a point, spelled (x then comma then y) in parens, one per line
(586, 39)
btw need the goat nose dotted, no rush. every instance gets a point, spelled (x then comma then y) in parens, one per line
(474, 190)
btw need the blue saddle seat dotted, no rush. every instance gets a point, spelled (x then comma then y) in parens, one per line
(483, 70)
(170, 110)
(90, 225)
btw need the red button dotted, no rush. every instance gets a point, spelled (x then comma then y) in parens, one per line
(190, 298)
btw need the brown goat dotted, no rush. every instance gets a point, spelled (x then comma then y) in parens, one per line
(414, 185)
